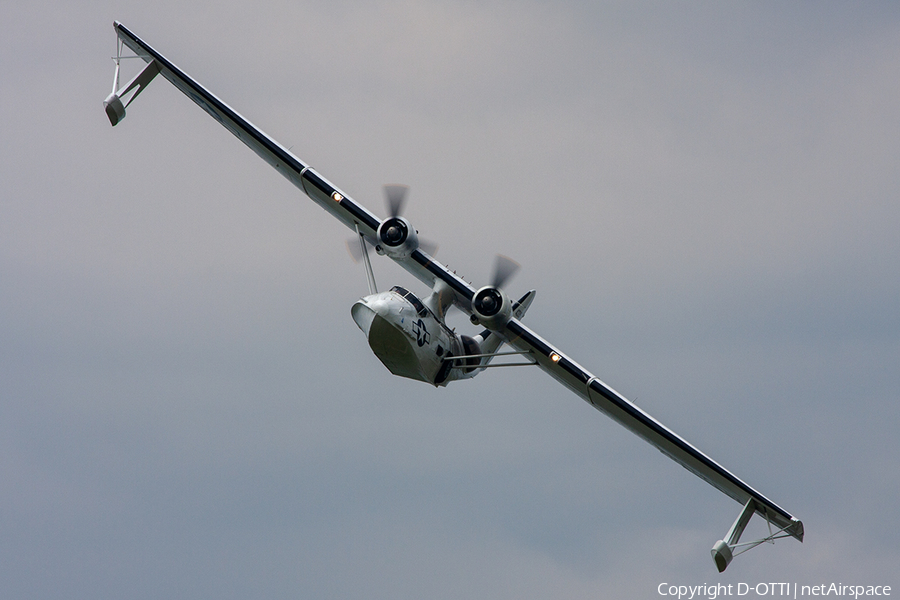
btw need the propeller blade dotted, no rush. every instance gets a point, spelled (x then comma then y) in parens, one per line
(504, 268)
(354, 249)
(428, 247)
(395, 198)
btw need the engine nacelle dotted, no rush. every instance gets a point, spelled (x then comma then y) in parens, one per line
(491, 307)
(397, 238)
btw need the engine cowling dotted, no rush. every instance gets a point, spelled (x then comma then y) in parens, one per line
(397, 238)
(491, 307)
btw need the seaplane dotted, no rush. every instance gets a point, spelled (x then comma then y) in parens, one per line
(410, 336)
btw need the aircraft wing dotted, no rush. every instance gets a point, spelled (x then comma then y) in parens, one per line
(429, 271)
(614, 405)
(320, 190)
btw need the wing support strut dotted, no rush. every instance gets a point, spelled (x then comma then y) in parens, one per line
(729, 547)
(370, 274)
(115, 108)
(458, 359)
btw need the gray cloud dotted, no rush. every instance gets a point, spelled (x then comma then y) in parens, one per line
(703, 195)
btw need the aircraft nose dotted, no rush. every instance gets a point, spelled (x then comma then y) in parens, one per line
(363, 315)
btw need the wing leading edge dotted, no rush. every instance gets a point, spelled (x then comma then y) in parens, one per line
(517, 335)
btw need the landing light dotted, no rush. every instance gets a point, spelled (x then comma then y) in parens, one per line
(337, 196)
(555, 357)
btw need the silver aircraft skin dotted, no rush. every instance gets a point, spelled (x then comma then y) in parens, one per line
(410, 336)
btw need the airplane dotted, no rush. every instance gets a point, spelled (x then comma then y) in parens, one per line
(410, 336)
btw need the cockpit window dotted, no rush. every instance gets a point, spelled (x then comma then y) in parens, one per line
(411, 298)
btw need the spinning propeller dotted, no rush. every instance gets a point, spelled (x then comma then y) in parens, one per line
(396, 236)
(504, 269)
(491, 306)
(395, 198)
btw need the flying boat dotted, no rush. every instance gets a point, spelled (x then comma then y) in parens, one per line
(410, 335)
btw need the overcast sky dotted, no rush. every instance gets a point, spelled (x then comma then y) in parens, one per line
(704, 195)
